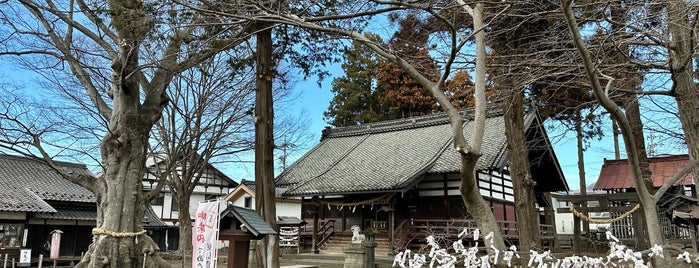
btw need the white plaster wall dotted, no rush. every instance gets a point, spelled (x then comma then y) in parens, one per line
(194, 201)
(241, 201)
(564, 221)
(289, 209)
(167, 207)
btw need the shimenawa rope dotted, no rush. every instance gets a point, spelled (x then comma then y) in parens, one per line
(352, 204)
(588, 219)
(100, 231)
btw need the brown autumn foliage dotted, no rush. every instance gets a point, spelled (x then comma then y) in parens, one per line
(404, 96)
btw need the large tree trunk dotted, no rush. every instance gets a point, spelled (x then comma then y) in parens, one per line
(520, 172)
(681, 47)
(268, 247)
(185, 223)
(477, 207)
(581, 166)
(127, 211)
(633, 115)
(119, 239)
(473, 200)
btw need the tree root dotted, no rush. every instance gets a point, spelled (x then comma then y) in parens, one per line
(121, 252)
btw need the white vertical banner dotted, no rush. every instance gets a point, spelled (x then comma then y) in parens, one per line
(55, 243)
(205, 235)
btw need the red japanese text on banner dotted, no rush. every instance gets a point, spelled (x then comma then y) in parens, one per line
(205, 235)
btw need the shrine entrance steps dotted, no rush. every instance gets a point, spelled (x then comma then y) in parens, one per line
(326, 260)
(341, 240)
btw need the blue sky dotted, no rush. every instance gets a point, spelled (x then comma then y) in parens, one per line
(314, 100)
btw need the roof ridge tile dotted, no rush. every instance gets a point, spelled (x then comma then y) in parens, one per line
(404, 123)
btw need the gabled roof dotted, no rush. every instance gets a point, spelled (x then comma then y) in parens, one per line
(250, 219)
(615, 174)
(26, 184)
(245, 187)
(248, 187)
(392, 156)
(156, 159)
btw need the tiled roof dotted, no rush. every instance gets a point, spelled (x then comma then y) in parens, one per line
(615, 174)
(249, 184)
(492, 149)
(28, 183)
(89, 213)
(150, 219)
(252, 221)
(70, 213)
(387, 156)
(16, 198)
(278, 191)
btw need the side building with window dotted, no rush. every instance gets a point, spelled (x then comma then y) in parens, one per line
(213, 184)
(244, 196)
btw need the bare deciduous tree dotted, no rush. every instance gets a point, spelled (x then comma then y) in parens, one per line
(338, 23)
(209, 122)
(679, 68)
(124, 54)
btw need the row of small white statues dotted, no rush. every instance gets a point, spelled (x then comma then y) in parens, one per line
(441, 258)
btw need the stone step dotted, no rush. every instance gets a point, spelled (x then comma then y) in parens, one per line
(340, 250)
(314, 263)
(347, 242)
(340, 241)
(326, 260)
(305, 256)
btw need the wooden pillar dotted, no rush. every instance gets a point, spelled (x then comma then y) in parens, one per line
(576, 235)
(238, 247)
(550, 220)
(391, 232)
(445, 198)
(344, 220)
(693, 236)
(550, 217)
(639, 229)
(314, 246)
(236, 251)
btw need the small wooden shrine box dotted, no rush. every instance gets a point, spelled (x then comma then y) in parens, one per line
(240, 225)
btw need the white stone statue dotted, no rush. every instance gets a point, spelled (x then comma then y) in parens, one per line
(356, 236)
